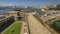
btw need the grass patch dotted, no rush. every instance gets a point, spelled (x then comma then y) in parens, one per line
(14, 29)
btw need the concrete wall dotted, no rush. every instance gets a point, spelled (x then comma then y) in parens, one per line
(4, 23)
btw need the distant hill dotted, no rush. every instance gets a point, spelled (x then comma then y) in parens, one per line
(58, 6)
(55, 8)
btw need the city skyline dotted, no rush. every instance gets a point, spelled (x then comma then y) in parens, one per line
(28, 2)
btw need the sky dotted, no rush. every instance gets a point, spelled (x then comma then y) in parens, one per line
(28, 2)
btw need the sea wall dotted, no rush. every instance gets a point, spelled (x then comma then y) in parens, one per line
(4, 23)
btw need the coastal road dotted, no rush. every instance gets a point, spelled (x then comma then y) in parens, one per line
(35, 26)
(50, 17)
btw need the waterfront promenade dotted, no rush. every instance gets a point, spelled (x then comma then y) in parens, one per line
(35, 26)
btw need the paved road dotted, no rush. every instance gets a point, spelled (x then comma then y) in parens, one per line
(50, 17)
(35, 26)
